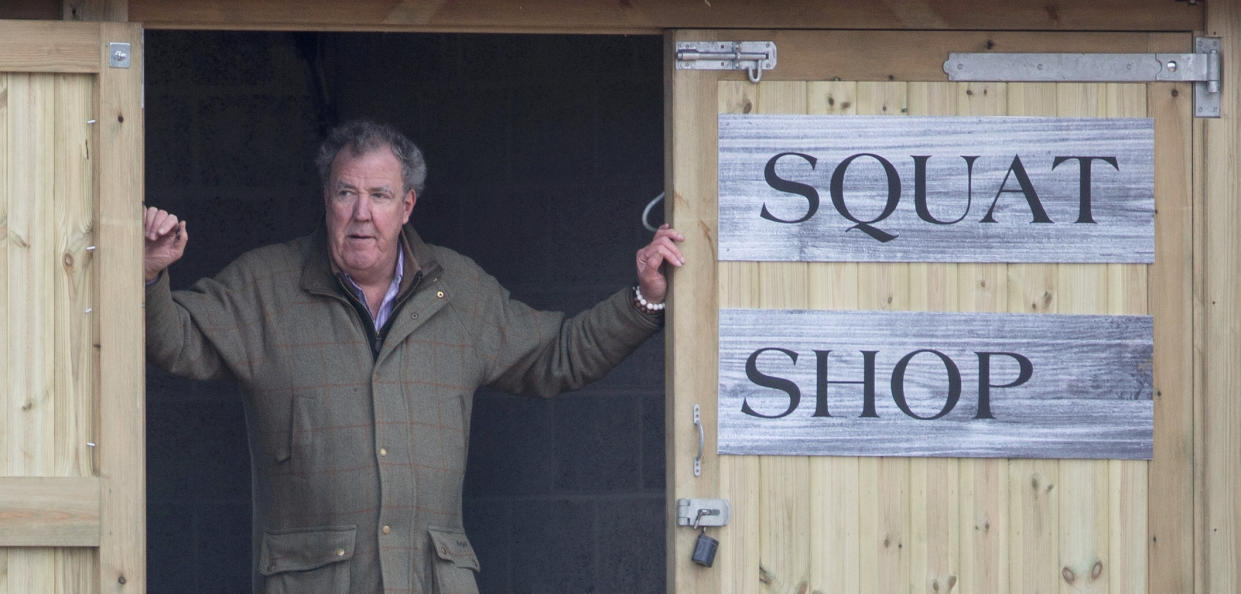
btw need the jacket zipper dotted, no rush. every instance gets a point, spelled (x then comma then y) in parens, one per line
(373, 338)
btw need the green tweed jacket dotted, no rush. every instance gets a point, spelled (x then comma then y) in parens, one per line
(359, 438)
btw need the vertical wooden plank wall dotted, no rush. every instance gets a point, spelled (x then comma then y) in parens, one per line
(1218, 509)
(1128, 531)
(835, 524)
(740, 475)
(75, 386)
(969, 525)
(1032, 505)
(985, 489)
(46, 290)
(936, 528)
(1082, 484)
(884, 508)
(784, 481)
(1170, 476)
(71, 362)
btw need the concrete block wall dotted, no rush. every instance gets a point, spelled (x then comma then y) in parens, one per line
(542, 152)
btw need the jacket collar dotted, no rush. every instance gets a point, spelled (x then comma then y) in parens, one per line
(319, 272)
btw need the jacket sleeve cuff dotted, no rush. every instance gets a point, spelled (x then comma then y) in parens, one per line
(634, 313)
(159, 306)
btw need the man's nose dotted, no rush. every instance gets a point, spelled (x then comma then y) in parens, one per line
(362, 208)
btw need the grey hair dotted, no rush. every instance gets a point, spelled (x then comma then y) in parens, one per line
(364, 136)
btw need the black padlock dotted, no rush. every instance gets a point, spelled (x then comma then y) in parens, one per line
(704, 549)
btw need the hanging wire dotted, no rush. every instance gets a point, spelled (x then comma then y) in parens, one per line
(646, 212)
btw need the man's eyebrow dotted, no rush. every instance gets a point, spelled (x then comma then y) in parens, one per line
(343, 185)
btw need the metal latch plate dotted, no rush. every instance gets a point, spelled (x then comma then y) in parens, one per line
(751, 56)
(118, 55)
(704, 512)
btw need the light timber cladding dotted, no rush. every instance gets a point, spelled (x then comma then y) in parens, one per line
(72, 513)
(48, 496)
(850, 383)
(122, 417)
(1218, 509)
(895, 524)
(935, 528)
(936, 189)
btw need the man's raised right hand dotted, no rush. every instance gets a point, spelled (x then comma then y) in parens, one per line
(165, 241)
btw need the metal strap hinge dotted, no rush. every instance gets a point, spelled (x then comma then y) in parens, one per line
(1201, 68)
(752, 56)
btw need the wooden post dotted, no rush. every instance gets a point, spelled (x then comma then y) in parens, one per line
(1219, 476)
(690, 203)
(122, 387)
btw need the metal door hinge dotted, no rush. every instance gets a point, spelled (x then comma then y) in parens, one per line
(752, 56)
(118, 55)
(1201, 68)
(703, 512)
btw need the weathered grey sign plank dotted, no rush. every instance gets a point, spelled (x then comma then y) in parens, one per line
(795, 382)
(936, 189)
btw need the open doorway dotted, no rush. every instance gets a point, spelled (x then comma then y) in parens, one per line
(542, 153)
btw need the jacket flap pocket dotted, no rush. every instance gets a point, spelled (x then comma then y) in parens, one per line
(301, 550)
(451, 545)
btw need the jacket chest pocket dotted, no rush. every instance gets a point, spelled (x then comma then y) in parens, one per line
(327, 431)
(290, 436)
(310, 561)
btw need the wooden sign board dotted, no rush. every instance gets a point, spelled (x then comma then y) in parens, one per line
(936, 189)
(857, 383)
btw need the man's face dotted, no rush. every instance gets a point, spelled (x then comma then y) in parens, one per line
(366, 206)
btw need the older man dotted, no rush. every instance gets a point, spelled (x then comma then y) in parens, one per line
(359, 348)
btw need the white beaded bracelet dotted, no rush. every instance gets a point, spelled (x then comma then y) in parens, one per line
(646, 305)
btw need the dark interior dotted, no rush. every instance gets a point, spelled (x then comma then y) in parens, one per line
(542, 152)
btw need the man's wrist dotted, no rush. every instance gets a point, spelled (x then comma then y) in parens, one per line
(644, 305)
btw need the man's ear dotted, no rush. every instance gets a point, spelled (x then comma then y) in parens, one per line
(410, 199)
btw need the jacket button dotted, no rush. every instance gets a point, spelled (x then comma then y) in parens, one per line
(383, 451)
(340, 552)
(387, 529)
(439, 294)
(444, 549)
(413, 315)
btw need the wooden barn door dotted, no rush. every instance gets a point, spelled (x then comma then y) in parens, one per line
(72, 487)
(892, 525)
